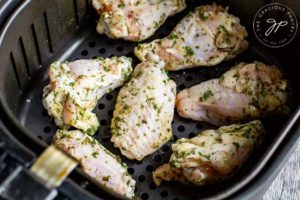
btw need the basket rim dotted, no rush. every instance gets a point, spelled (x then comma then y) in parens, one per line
(13, 124)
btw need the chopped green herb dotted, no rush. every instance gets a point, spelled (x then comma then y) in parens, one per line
(188, 51)
(121, 5)
(95, 154)
(206, 95)
(173, 36)
(106, 178)
(237, 145)
(203, 15)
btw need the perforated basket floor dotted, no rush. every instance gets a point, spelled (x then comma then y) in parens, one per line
(34, 117)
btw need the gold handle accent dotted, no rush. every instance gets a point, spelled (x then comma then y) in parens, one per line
(53, 166)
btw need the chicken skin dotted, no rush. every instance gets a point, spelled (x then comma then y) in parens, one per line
(211, 156)
(247, 91)
(205, 37)
(134, 20)
(76, 87)
(144, 111)
(96, 161)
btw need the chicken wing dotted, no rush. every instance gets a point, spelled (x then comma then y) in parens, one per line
(96, 161)
(247, 91)
(76, 87)
(211, 156)
(205, 37)
(144, 111)
(134, 20)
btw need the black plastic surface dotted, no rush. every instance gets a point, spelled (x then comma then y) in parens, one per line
(20, 184)
(15, 149)
(54, 31)
(6, 7)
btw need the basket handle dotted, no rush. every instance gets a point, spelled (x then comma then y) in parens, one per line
(47, 173)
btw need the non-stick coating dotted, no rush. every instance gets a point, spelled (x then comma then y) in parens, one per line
(34, 117)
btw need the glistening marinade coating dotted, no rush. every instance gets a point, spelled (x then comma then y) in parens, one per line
(211, 156)
(96, 161)
(144, 111)
(247, 91)
(205, 37)
(76, 87)
(134, 20)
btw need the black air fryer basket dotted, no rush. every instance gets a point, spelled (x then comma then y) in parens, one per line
(35, 33)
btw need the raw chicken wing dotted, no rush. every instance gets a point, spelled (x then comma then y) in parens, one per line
(96, 161)
(205, 37)
(76, 87)
(134, 20)
(211, 156)
(144, 111)
(247, 91)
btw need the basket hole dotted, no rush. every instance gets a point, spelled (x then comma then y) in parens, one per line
(199, 126)
(139, 162)
(105, 139)
(149, 168)
(152, 186)
(101, 106)
(169, 27)
(103, 122)
(181, 128)
(110, 42)
(164, 194)
(141, 178)
(102, 50)
(181, 87)
(157, 158)
(120, 48)
(161, 35)
(192, 134)
(189, 78)
(44, 112)
(207, 76)
(92, 44)
(94, 57)
(130, 54)
(40, 137)
(111, 55)
(110, 113)
(84, 52)
(174, 138)
(109, 97)
(47, 129)
(165, 148)
(130, 170)
(145, 196)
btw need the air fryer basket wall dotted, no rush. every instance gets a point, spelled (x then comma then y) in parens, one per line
(42, 31)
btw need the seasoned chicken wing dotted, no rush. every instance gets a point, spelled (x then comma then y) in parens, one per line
(247, 91)
(211, 156)
(144, 111)
(76, 87)
(205, 37)
(96, 161)
(134, 20)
